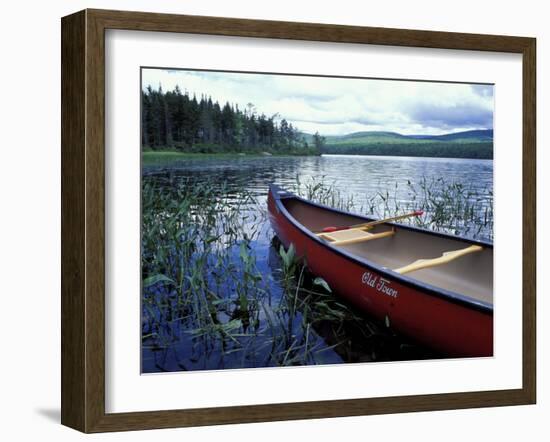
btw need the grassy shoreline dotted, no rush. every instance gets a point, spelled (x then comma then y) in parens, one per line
(152, 157)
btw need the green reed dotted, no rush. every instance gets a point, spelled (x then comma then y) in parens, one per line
(204, 297)
(451, 207)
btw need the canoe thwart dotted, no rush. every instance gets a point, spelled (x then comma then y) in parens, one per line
(337, 230)
(353, 236)
(443, 259)
(338, 235)
(371, 224)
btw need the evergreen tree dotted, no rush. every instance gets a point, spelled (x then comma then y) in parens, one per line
(318, 141)
(174, 120)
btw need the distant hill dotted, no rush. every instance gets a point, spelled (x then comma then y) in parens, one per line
(468, 144)
(468, 136)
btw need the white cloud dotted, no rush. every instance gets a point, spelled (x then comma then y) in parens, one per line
(342, 105)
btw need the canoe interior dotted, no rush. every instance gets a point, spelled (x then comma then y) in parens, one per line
(470, 275)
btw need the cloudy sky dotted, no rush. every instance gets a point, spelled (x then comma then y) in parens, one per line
(336, 106)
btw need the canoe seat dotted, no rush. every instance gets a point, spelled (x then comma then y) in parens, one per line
(443, 259)
(352, 236)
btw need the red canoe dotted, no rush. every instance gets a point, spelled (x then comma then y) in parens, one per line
(433, 287)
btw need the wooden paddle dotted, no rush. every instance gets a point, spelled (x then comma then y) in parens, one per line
(420, 264)
(372, 223)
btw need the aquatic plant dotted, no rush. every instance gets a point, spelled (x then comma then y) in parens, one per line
(207, 305)
(451, 207)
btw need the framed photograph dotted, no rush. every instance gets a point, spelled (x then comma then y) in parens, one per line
(270, 220)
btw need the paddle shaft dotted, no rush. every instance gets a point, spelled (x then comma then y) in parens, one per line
(374, 223)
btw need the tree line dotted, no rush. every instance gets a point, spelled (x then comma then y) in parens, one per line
(446, 149)
(177, 121)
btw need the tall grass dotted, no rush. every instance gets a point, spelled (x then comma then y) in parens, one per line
(448, 206)
(207, 305)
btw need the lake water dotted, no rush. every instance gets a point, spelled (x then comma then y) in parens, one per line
(360, 175)
(379, 185)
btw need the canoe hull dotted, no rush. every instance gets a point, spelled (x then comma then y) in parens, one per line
(442, 324)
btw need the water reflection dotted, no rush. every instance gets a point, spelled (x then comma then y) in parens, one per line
(277, 333)
(360, 176)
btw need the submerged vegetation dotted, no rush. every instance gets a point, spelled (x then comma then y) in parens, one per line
(207, 305)
(218, 292)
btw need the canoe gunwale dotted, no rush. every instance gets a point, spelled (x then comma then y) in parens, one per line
(415, 284)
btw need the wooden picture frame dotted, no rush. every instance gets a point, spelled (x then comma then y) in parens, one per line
(83, 219)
